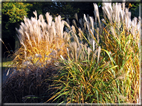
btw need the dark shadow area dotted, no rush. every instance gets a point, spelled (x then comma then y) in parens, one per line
(8, 58)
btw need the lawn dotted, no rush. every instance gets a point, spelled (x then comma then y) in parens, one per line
(6, 62)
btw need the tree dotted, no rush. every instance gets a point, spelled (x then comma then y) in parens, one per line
(12, 14)
(14, 11)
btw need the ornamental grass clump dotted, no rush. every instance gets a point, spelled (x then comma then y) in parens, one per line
(41, 43)
(29, 85)
(103, 61)
(121, 37)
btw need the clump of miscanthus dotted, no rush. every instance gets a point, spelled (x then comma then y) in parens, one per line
(41, 43)
(29, 85)
(104, 69)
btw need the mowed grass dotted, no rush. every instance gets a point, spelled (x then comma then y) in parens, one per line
(6, 63)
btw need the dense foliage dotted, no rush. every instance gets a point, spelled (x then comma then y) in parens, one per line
(15, 11)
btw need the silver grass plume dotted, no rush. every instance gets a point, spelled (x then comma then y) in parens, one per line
(96, 13)
(76, 16)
